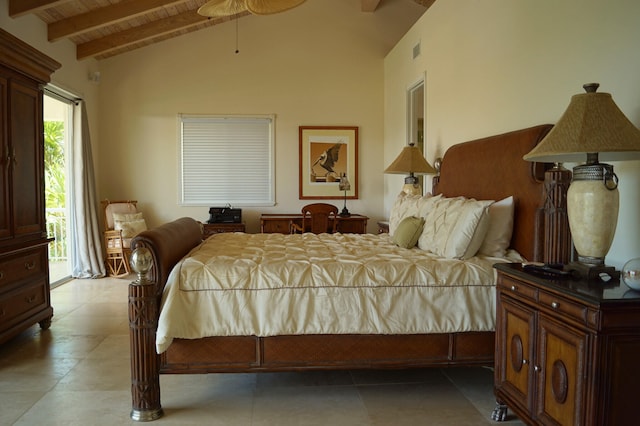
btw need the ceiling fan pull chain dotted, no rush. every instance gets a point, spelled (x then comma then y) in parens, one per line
(237, 50)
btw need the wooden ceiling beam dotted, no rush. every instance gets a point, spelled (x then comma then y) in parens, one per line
(22, 7)
(104, 16)
(369, 5)
(145, 32)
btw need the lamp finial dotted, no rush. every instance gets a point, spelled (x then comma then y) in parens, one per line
(591, 87)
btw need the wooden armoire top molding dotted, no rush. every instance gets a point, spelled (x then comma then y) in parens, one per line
(25, 59)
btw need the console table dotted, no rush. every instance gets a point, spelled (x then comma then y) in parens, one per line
(270, 223)
(567, 350)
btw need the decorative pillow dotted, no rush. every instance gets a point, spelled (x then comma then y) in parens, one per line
(405, 206)
(498, 237)
(408, 231)
(127, 217)
(131, 224)
(455, 227)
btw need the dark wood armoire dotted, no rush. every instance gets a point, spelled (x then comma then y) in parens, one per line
(24, 271)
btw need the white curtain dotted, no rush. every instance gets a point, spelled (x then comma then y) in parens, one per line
(85, 246)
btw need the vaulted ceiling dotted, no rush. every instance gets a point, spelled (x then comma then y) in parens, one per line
(104, 28)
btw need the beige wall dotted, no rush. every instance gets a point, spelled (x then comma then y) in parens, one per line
(318, 64)
(498, 65)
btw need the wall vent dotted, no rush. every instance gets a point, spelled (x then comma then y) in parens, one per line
(416, 50)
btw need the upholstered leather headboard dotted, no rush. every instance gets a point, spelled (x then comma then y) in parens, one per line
(492, 168)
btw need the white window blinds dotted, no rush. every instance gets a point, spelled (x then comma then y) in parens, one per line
(227, 160)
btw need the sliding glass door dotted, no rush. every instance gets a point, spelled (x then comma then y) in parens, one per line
(57, 136)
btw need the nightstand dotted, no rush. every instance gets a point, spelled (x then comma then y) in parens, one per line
(567, 351)
(383, 227)
(209, 229)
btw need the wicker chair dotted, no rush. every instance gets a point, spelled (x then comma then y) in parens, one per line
(317, 218)
(117, 243)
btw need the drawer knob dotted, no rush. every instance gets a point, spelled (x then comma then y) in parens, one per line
(536, 368)
(555, 305)
(30, 265)
(514, 288)
(525, 362)
(1, 275)
(31, 299)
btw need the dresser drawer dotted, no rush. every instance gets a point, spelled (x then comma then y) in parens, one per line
(517, 288)
(29, 264)
(23, 302)
(347, 226)
(563, 306)
(282, 226)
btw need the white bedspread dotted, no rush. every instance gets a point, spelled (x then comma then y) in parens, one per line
(275, 284)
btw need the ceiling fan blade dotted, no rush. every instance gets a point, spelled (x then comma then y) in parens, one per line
(221, 8)
(266, 7)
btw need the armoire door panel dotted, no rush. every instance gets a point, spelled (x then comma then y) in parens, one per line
(25, 133)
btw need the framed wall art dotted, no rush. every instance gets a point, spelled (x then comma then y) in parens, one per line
(327, 153)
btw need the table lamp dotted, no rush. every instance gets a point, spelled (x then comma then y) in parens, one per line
(345, 186)
(592, 128)
(411, 161)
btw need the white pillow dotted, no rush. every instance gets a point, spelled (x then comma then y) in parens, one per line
(405, 206)
(498, 237)
(455, 227)
(131, 224)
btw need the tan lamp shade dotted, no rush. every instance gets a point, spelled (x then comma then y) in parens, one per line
(344, 184)
(410, 161)
(592, 123)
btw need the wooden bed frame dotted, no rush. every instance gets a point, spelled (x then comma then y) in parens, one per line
(489, 168)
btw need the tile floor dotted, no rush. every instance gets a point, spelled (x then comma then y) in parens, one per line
(77, 373)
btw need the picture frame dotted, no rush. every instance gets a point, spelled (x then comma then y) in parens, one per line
(325, 153)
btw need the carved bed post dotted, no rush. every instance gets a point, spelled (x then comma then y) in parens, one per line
(557, 236)
(143, 322)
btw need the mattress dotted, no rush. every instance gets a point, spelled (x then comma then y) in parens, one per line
(237, 284)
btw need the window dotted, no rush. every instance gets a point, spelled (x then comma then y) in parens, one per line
(227, 160)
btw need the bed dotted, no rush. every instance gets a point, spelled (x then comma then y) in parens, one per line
(486, 169)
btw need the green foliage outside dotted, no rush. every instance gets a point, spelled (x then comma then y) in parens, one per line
(55, 187)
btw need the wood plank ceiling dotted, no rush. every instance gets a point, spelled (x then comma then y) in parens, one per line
(105, 28)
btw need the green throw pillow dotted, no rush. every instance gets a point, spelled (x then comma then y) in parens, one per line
(408, 231)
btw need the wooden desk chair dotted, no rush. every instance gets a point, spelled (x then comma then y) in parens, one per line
(317, 218)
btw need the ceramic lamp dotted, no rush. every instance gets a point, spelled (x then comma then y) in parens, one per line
(592, 128)
(411, 161)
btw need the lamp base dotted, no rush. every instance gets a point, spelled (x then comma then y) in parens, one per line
(593, 273)
(345, 213)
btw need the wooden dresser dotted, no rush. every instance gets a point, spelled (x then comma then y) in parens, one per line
(567, 351)
(272, 223)
(24, 267)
